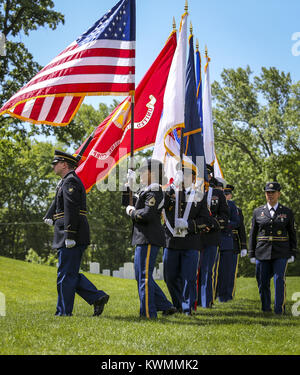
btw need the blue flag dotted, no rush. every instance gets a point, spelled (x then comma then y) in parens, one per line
(193, 138)
(199, 87)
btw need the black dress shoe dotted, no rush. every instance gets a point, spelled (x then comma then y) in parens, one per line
(99, 305)
(172, 310)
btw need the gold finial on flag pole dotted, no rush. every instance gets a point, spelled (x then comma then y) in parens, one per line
(174, 24)
(191, 28)
(197, 44)
(186, 7)
(207, 58)
(206, 53)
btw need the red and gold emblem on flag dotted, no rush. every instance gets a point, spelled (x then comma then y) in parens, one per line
(112, 139)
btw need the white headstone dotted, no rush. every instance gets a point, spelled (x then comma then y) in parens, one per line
(155, 274)
(128, 270)
(116, 273)
(2, 305)
(106, 272)
(94, 267)
(121, 271)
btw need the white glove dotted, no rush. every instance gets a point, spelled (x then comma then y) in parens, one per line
(129, 210)
(199, 194)
(243, 253)
(291, 259)
(131, 176)
(181, 223)
(48, 221)
(252, 260)
(178, 178)
(70, 243)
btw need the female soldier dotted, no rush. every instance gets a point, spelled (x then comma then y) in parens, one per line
(272, 244)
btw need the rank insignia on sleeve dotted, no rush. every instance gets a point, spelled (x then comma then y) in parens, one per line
(70, 190)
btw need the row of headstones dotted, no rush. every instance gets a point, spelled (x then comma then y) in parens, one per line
(125, 272)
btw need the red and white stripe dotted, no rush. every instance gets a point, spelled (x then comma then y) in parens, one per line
(54, 95)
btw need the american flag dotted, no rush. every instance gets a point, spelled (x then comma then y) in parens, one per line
(100, 62)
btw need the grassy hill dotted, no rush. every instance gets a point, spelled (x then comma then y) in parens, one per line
(236, 327)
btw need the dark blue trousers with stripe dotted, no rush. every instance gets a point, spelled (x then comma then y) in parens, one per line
(226, 274)
(152, 298)
(265, 270)
(180, 273)
(70, 281)
(207, 270)
(233, 276)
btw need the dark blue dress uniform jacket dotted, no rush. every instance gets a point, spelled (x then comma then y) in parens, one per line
(147, 226)
(233, 223)
(239, 234)
(198, 219)
(68, 211)
(272, 238)
(220, 211)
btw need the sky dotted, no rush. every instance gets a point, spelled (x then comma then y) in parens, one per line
(237, 33)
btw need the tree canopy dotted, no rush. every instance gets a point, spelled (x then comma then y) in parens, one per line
(257, 135)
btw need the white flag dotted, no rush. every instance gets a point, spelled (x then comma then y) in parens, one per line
(217, 169)
(167, 148)
(208, 130)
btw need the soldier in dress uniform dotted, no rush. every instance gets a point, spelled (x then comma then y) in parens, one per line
(147, 237)
(226, 252)
(218, 208)
(181, 254)
(239, 241)
(68, 214)
(272, 244)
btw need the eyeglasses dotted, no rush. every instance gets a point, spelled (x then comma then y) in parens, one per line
(55, 162)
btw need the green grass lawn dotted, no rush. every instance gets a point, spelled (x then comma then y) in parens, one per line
(236, 327)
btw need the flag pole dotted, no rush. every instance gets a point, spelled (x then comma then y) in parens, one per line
(181, 192)
(85, 145)
(131, 164)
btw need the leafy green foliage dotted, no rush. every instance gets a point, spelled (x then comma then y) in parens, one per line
(22, 16)
(26, 179)
(257, 135)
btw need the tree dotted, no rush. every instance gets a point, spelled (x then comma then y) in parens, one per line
(16, 16)
(26, 181)
(257, 133)
(21, 190)
(17, 67)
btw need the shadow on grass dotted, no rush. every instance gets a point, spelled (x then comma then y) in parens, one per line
(230, 313)
(197, 321)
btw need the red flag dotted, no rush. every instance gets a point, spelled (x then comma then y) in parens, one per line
(100, 62)
(111, 142)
